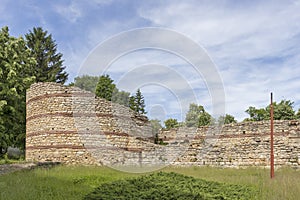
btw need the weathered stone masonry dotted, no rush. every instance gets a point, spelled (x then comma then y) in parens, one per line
(241, 144)
(67, 124)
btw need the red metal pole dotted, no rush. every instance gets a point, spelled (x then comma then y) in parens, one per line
(272, 133)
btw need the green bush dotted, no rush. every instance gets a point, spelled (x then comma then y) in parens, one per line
(170, 186)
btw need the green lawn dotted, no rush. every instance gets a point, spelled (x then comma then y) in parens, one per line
(70, 182)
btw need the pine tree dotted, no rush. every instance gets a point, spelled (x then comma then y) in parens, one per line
(140, 102)
(49, 66)
(105, 87)
(132, 104)
(137, 102)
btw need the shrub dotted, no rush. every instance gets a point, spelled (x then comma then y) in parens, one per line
(170, 186)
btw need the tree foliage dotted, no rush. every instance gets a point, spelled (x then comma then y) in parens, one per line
(105, 87)
(256, 114)
(16, 65)
(87, 82)
(227, 119)
(121, 97)
(282, 111)
(49, 64)
(137, 102)
(171, 123)
(298, 114)
(197, 116)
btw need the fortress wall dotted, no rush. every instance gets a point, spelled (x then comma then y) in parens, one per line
(70, 125)
(241, 144)
(65, 124)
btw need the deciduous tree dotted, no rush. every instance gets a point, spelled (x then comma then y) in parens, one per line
(228, 119)
(282, 111)
(86, 82)
(197, 116)
(171, 123)
(16, 65)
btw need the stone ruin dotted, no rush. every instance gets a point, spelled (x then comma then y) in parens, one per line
(69, 125)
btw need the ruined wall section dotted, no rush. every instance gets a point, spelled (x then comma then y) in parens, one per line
(65, 124)
(236, 145)
(70, 125)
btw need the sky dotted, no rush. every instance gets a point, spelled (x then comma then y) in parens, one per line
(253, 45)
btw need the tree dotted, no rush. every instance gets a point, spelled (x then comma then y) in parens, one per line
(132, 105)
(140, 102)
(298, 114)
(257, 114)
(171, 123)
(192, 116)
(204, 119)
(89, 83)
(228, 119)
(137, 102)
(105, 87)
(86, 82)
(197, 116)
(121, 97)
(16, 65)
(282, 111)
(49, 66)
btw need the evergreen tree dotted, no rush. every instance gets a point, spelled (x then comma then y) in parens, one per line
(140, 102)
(105, 87)
(49, 66)
(16, 65)
(137, 102)
(132, 105)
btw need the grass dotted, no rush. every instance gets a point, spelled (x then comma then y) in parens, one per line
(10, 161)
(74, 182)
(285, 185)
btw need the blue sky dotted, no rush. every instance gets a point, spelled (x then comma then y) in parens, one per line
(254, 44)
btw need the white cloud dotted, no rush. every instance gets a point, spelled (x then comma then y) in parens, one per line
(253, 43)
(71, 12)
(242, 40)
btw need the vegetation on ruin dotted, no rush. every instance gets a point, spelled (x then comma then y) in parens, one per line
(70, 182)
